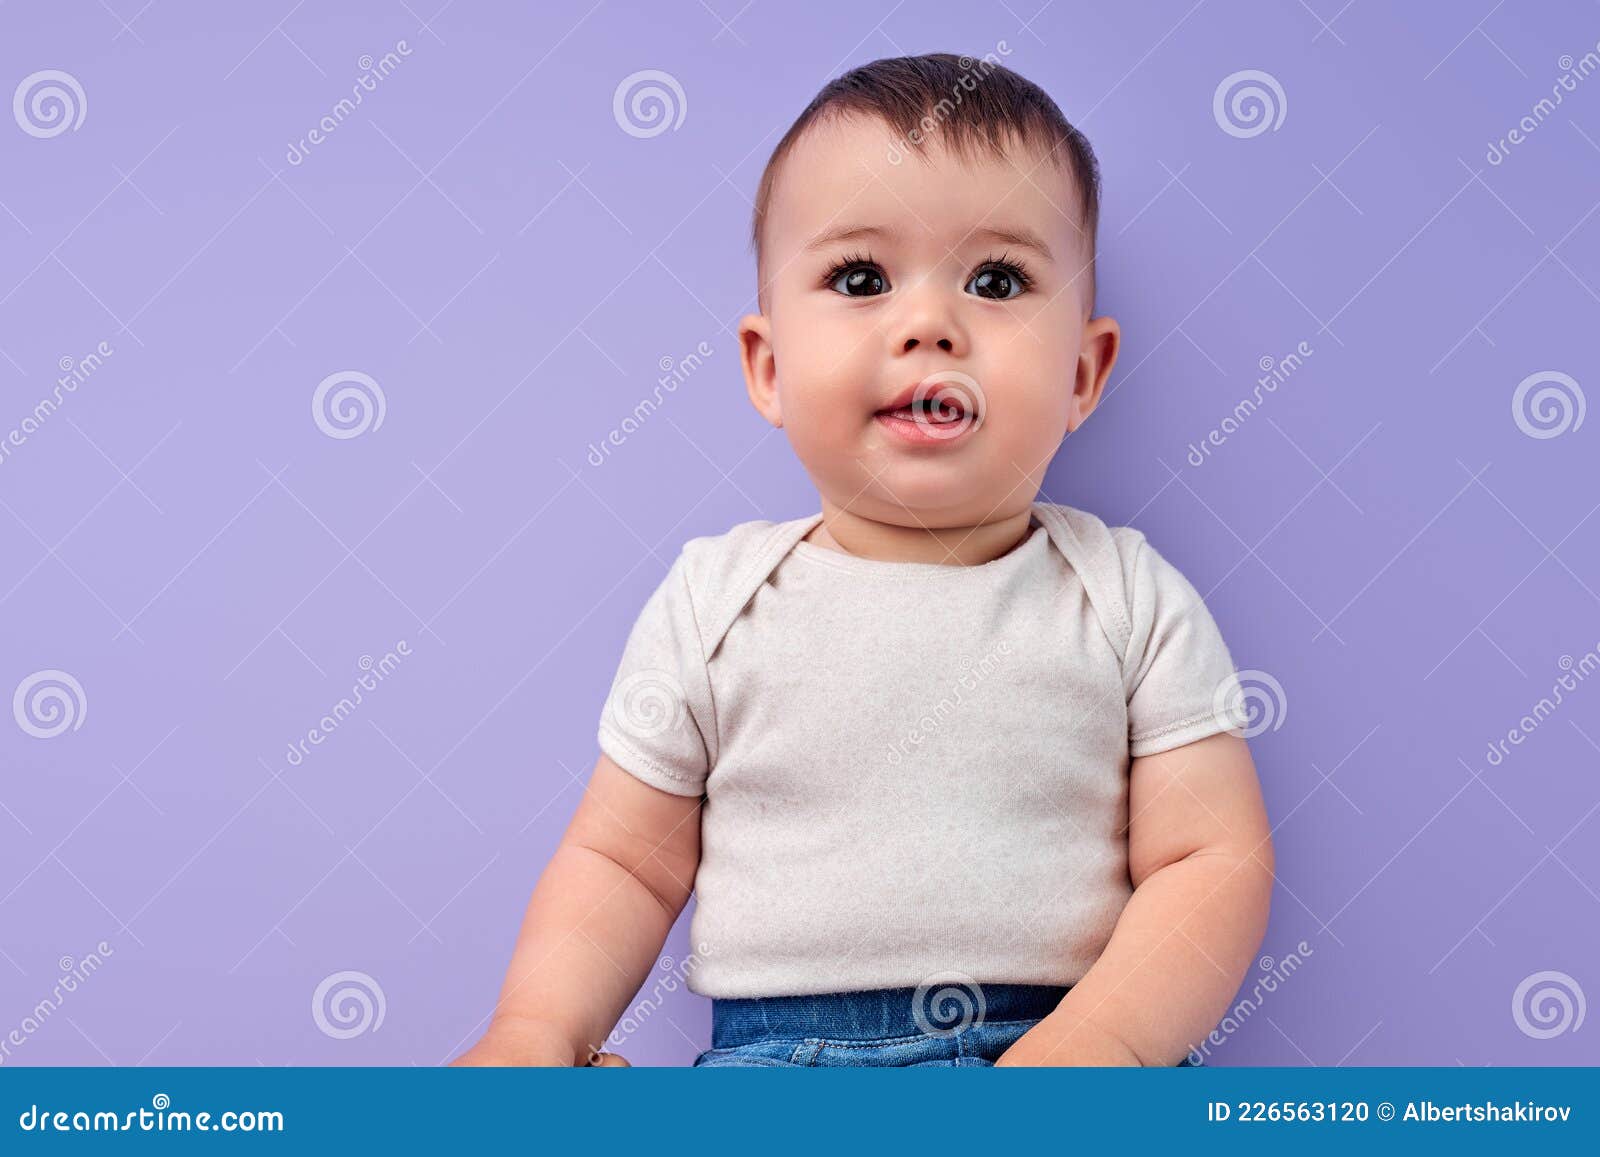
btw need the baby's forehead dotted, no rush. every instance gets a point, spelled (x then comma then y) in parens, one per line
(856, 169)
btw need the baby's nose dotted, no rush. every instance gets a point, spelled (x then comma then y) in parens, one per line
(943, 343)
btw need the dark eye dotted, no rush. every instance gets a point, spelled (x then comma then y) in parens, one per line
(997, 282)
(860, 281)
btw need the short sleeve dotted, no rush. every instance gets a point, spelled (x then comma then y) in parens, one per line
(659, 713)
(1177, 672)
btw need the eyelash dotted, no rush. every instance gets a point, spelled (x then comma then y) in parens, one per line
(1005, 262)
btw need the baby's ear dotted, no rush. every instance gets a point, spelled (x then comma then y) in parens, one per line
(1102, 338)
(760, 367)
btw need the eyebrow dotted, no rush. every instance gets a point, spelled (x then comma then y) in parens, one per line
(1011, 235)
(846, 233)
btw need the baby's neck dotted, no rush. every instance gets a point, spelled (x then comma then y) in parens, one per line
(851, 533)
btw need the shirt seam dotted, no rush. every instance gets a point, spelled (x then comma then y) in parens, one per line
(646, 761)
(1129, 595)
(850, 564)
(1180, 725)
(705, 670)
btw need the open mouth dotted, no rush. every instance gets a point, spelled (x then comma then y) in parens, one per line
(943, 408)
(929, 422)
(937, 411)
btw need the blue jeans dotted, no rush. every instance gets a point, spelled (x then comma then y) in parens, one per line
(884, 1027)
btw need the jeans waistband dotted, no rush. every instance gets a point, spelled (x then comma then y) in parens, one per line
(877, 1013)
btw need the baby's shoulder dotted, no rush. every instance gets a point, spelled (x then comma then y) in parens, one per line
(1132, 582)
(1111, 562)
(1088, 541)
(710, 557)
(722, 571)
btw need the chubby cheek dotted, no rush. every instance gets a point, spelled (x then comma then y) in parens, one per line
(1026, 419)
(825, 376)
(1028, 444)
(823, 427)
(834, 346)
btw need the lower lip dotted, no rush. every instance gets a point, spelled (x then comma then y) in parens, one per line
(925, 432)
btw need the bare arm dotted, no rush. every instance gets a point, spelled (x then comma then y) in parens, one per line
(598, 916)
(1200, 857)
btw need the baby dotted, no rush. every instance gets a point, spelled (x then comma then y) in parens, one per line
(955, 773)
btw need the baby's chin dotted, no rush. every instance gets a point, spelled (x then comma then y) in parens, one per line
(963, 482)
(934, 494)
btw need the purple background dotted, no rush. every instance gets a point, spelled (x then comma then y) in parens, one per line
(483, 239)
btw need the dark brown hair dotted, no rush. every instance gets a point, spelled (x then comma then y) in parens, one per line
(975, 107)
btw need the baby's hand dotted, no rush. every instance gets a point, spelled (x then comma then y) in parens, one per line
(530, 1043)
(1068, 1043)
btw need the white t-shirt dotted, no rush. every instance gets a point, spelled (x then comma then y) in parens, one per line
(911, 770)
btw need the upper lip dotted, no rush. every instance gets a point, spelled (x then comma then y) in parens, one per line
(952, 398)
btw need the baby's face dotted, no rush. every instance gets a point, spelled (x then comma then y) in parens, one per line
(961, 285)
